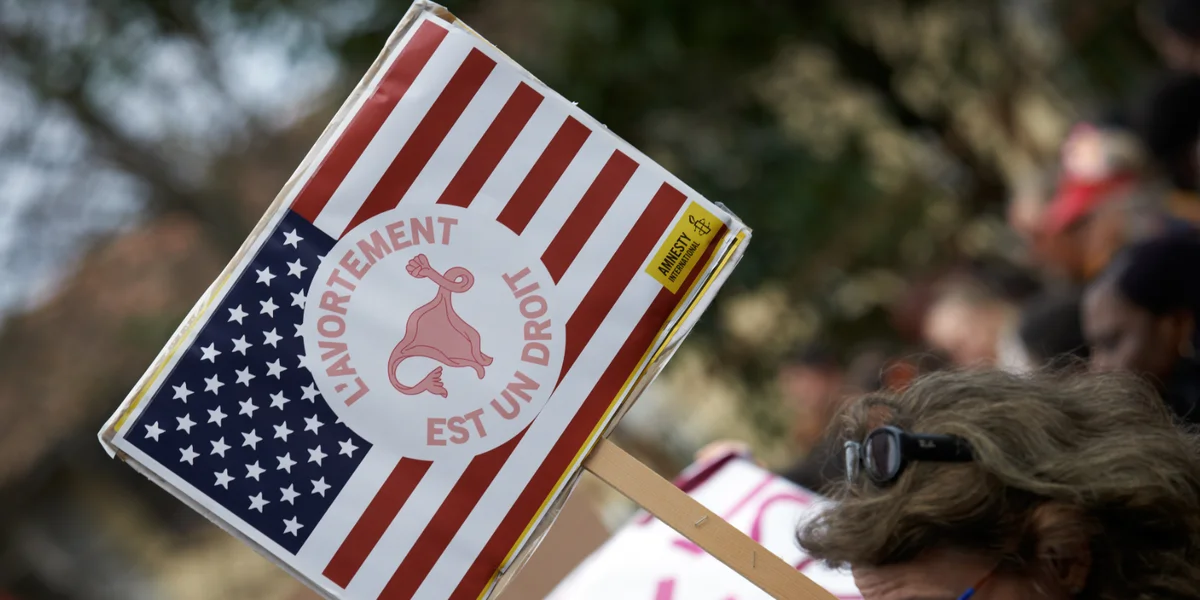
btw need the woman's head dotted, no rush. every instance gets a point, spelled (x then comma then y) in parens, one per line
(1078, 487)
(1139, 315)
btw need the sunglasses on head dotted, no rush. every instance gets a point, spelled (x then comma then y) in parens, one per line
(886, 451)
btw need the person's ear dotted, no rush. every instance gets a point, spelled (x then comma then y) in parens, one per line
(1063, 545)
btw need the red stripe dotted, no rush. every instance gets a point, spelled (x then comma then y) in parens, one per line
(572, 438)
(587, 214)
(367, 121)
(491, 147)
(426, 138)
(447, 520)
(545, 173)
(375, 520)
(624, 264)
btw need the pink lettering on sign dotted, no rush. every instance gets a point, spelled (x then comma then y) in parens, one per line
(666, 590)
(532, 307)
(454, 430)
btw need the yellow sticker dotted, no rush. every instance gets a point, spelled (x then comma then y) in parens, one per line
(685, 243)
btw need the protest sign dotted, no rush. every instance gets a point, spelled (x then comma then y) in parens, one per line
(451, 301)
(648, 560)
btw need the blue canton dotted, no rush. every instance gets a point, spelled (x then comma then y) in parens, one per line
(239, 417)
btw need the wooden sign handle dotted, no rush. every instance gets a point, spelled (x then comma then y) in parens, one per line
(712, 533)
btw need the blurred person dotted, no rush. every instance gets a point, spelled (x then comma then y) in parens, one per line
(1001, 487)
(1102, 164)
(1173, 27)
(1049, 333)
(1169, 126)
(975, 308)
(821, 462)
(1140, 316)
(810, 381)
(815, 386)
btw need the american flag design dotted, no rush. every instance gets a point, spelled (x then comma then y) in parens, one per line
(239, 416)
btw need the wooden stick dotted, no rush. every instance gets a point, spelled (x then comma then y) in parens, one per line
(698, 524)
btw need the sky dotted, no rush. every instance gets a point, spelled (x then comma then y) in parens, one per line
(58, 195)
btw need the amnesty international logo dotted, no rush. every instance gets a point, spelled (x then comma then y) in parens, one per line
(684, 244)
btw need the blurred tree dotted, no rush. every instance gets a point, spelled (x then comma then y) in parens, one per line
(862, 139)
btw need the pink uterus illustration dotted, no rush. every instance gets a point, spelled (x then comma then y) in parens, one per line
(435, 331)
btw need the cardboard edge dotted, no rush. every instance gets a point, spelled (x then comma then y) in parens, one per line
(719, 266)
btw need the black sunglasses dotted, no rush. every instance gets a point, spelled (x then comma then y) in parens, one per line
(886, 451)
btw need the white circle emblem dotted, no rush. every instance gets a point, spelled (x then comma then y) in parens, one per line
(433, 333)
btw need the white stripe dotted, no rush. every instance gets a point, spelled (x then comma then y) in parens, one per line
(392, 135)
(628, 208)
(540, 439)
(327, 536)
(565, 196)
(463, 137)
(400, 536)
(519, 160)
(385, 559)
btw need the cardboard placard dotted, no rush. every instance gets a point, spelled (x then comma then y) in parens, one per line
(454, 297)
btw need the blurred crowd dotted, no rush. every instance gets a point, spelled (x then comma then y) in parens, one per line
(1106, 277)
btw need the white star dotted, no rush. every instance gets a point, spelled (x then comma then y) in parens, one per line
(240, 345)
(181, 392)
(299, 333)
(216, 416)
(185, 423)
(295, 268)
(298, 299)
(292, 526)
(348, 448)
(265, 276)
(277, 400)
(253, 471)
(319, 486)
(274, 368)
(291, 239)
(315, 455)
(258, 502)
(219, 447)
(210, 353)
(237, 314)
(285, 462)
(312, 424)
(268, 307)
(271, 338)
(188, 455)
(282, 431)
(310, 392)
(302, 361)
(289, 494)
(248, 407)
(153, 431)
(223, 478)
(244, 376)
(251, 439)
(212, 384)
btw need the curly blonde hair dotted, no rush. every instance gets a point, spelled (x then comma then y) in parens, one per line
(1085, 457)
